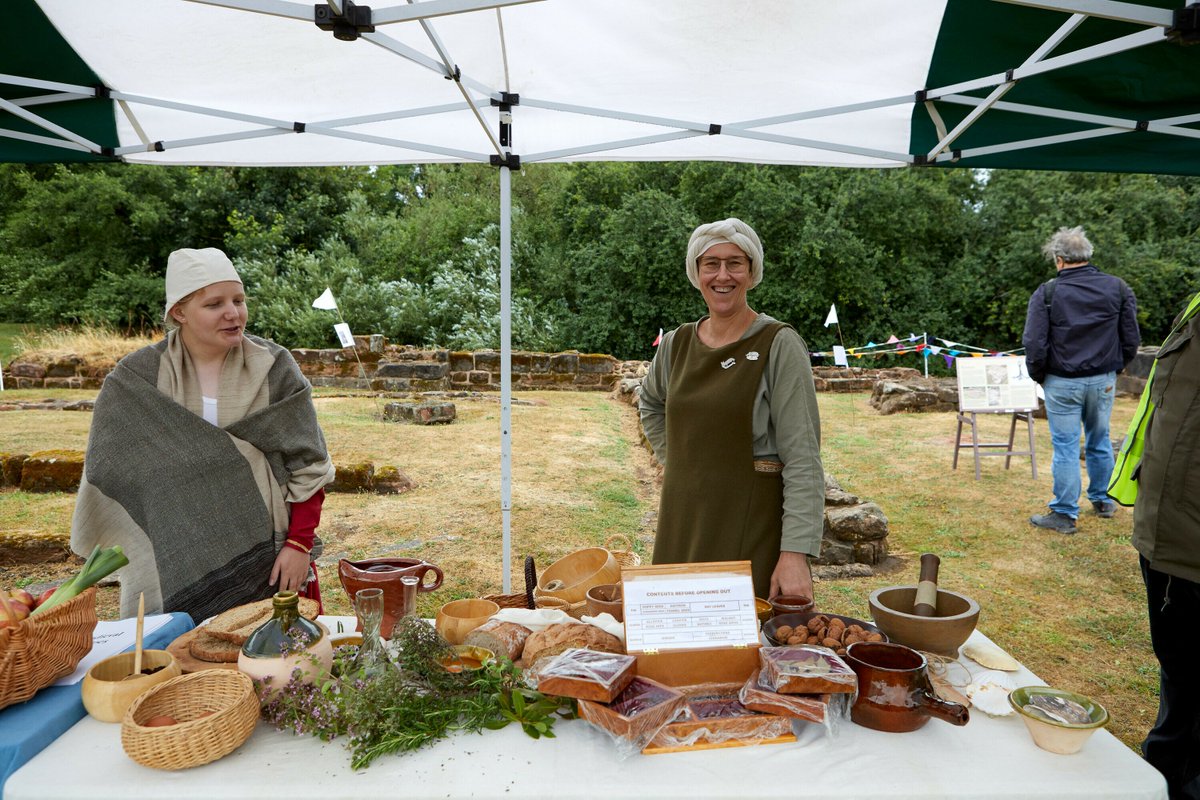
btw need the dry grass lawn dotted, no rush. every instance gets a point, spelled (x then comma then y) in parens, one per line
(1070, 607)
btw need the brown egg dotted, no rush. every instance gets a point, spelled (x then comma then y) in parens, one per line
(161, 721)
(204, 714)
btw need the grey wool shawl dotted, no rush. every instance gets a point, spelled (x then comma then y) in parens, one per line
(200, 510)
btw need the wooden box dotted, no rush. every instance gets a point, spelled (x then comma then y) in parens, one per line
(636, 713)
(587, 675)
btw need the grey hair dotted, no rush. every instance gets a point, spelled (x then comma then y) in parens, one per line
(1069, 244)
(733, 231)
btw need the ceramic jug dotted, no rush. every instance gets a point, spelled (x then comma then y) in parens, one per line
(385, 574)
(894, 691)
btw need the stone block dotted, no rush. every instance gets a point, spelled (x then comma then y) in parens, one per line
(352, 477)
(52, 471)
(306, 355)
(29, 383)
(26, 370)
(462, 361)
(377, 342)
(488, 360)
(595, 363)
(71, 382)
(390, 480)
(427, 413)
(521, 362)
(861, 523)
(63, 368)
(10, 468)
(393, 370)
(478, 377)
(564, 362)
(539, 362)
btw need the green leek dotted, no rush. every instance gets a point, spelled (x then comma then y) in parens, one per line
(99, 565)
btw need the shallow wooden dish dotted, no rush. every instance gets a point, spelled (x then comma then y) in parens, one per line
(181, 648)
(106, 693)
(459, 617)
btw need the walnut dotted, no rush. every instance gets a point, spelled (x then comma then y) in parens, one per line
(831, 643)
(797, 639)
(817, 623)
(874, 637)
(783, 632)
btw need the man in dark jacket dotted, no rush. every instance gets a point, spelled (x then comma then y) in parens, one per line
(1080, 330)
(1166, 533)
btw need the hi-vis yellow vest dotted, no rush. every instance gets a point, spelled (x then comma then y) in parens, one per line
(1123, 485)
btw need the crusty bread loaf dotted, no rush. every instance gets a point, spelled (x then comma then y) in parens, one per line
(504, 639)
(210, 648)
(563, 636)
(236, 624)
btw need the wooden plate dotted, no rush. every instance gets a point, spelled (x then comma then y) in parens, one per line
(181, 649)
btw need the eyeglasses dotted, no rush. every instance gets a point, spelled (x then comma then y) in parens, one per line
(734, 265)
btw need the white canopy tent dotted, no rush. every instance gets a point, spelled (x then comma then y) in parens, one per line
(1076, 84)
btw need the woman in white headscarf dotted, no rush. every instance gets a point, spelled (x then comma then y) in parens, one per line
(205, 460)
(730, 408)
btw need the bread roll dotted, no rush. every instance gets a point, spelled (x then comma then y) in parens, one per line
(505, 639)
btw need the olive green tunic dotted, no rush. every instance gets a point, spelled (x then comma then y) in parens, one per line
(715, 506)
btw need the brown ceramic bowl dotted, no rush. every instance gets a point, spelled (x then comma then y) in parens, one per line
(794, 620)
(790, 604)
(941, 634)
(606, 599)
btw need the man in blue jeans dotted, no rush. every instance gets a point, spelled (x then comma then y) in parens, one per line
(1080, 331)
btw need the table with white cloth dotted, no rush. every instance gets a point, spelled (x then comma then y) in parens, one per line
(987, 758)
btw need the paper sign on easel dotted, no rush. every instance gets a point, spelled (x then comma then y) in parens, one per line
(679, 612)
(343, 334)
(839, 356)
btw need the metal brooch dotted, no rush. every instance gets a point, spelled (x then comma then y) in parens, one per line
(727, 363)
(752, 355)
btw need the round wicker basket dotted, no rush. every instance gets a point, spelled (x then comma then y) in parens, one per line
(623, 553)
(45, 647)
(215, 709)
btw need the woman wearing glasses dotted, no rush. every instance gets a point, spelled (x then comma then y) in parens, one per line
(730, 409)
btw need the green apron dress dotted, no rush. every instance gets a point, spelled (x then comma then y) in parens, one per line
(715, 505)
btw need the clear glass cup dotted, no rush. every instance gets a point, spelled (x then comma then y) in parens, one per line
(372, 658)
(408, 601)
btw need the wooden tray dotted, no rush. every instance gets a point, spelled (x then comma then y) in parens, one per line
(188, 662)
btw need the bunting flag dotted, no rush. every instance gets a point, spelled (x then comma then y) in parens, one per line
(325, 302)
(657, 339)
(831, 318)
(896, 346)
(892, 339)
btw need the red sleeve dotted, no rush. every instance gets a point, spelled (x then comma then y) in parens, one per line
(306, 516)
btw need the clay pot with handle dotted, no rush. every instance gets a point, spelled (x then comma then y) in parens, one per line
(894, 691)
(385, 573)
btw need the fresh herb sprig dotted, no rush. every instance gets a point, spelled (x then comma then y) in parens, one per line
(409, 707)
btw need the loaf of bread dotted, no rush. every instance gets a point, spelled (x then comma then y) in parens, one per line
(759, 696)
(563, 636)
(236, 624)
(504, 639)
(210, 648)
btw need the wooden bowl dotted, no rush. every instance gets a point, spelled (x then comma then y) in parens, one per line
(571, 576)
(106, 693)
(606, 599)
(800, 620)
(942, 634)
(459, 617)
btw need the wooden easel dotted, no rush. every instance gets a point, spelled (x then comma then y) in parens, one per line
(977, 446)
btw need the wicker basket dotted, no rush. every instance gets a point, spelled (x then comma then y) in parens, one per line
(624, 554)
(518, 599)
(576, 610)
(226, 696)
(45, 647)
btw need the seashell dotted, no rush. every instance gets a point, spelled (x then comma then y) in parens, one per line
(991, 656)
(989, 693)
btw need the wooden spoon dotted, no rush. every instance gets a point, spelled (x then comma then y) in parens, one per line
(137, 652)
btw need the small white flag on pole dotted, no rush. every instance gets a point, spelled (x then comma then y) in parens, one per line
(326, 301)
(832, 318)
(344, 335)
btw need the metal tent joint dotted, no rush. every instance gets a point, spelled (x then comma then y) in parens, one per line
(510, 160)
(346, 26)
(1143, 125)
(921, 95)
(507, 101)
(102, 91)
(1185, 29)
(714, 129)
(920, 160)
(455, 76)
(298, 127)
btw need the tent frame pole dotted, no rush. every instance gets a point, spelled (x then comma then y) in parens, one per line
(506, 375)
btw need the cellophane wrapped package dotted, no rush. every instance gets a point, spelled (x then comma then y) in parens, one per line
(636, 714)
(826, 710)
(587, 675)
(715, 717)
(806, 669)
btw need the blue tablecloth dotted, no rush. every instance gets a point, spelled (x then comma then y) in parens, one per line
(27, 728)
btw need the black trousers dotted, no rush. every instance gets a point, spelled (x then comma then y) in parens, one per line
(1173, 744)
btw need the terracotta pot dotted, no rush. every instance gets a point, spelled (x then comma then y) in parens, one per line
(894, 692)
(790, 604)
(385, 573)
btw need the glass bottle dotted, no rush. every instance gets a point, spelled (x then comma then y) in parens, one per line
(408, 602)
(372, 658)
(284, 643)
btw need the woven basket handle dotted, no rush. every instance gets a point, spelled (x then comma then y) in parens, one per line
(530, 581)
(620, 540)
